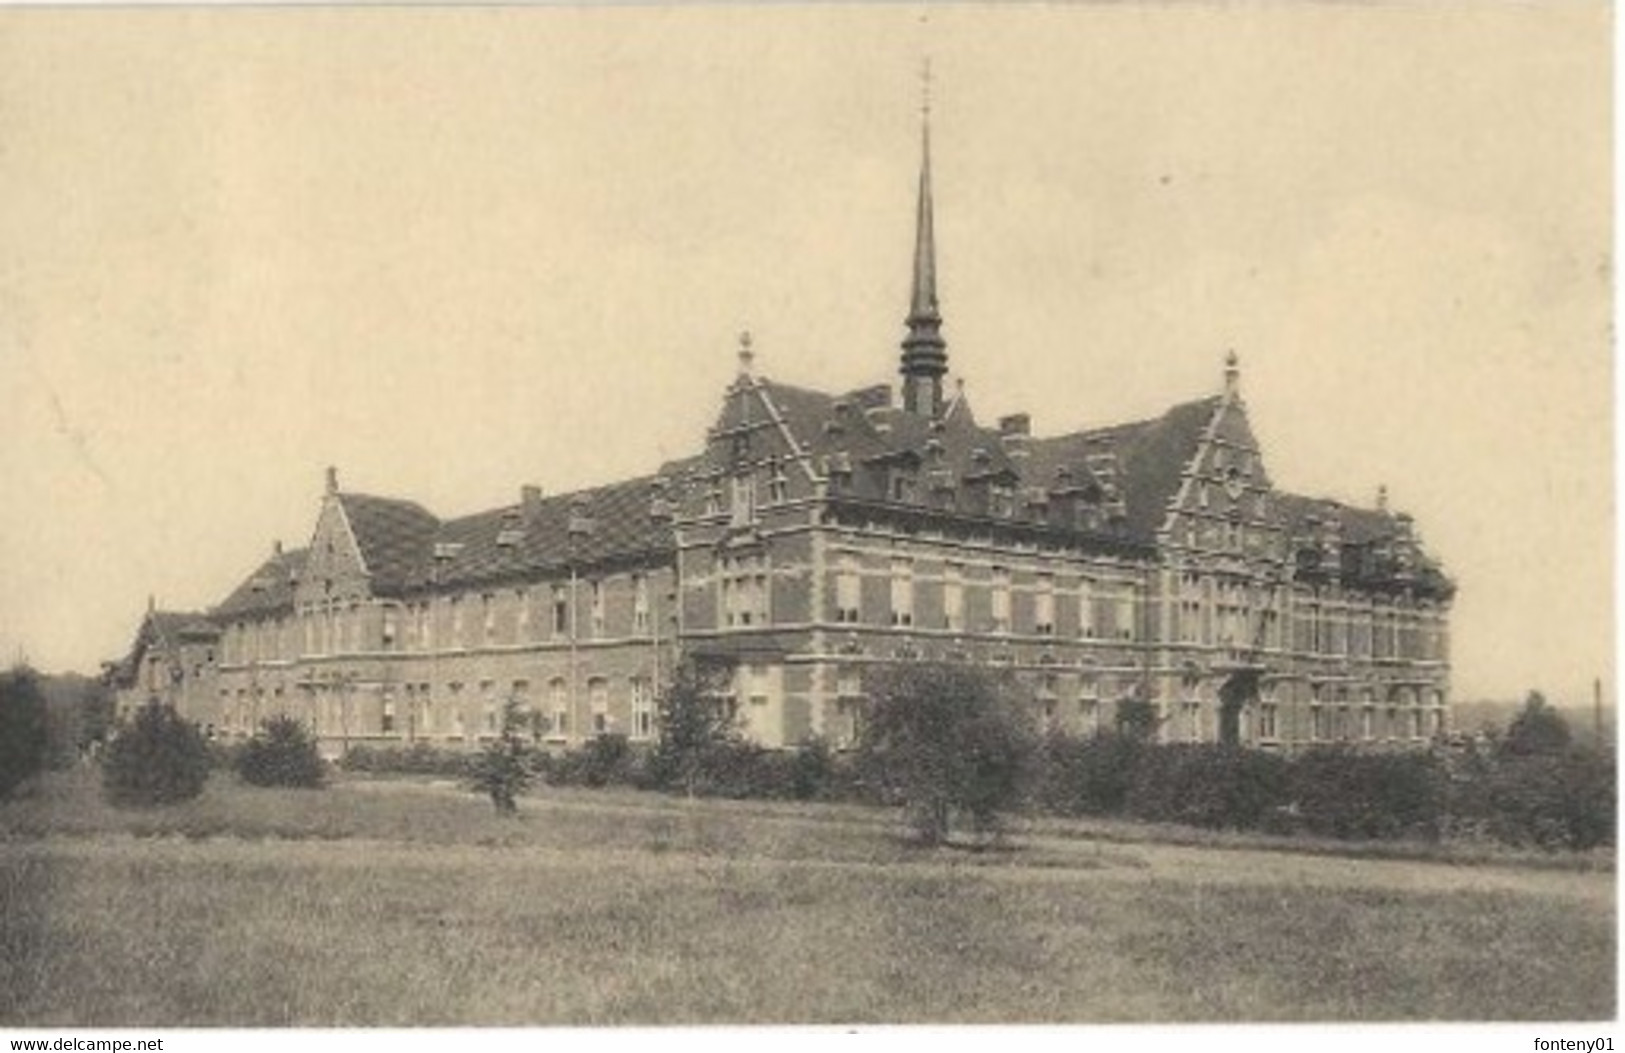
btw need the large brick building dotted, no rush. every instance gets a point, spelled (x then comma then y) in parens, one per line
(814, 534)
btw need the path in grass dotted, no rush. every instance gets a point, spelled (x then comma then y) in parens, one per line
(423, 908)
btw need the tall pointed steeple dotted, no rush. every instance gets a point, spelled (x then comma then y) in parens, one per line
(925, 355)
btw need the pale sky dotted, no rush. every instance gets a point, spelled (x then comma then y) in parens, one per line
(454, 251)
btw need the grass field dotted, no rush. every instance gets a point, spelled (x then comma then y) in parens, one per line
(398, 903)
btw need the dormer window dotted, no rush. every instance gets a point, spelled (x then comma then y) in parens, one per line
(902, 485)
(1001, 501)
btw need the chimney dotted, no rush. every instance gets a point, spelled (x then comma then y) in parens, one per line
(1382, 498)
(276, 548)
(530, 501)
(332, 480)
(659, 506)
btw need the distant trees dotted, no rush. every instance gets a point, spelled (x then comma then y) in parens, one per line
(1538, 728)
(24, 738)
(281, 753)
(158, 758)
(951, 740)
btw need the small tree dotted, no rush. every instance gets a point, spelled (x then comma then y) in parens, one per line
(158, 758)
(502, 770)
(949, 738)
(24, 741)
(281, 753)
(693, 722)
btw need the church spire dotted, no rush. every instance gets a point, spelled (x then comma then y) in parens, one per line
(925, 356)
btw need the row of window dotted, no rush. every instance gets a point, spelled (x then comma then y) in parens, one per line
(1103, 611)
(488, 618)
(335, 712)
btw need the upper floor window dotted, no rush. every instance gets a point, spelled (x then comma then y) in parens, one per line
(848, 589)
(1001, 599)
(744, 591)
(744, 499)
(597, 588)
(561, 611)
(640, 603)
(488, 617)
(388, 638)
(902, 592)
(953, 596)
(778, 484)
(1044, 606)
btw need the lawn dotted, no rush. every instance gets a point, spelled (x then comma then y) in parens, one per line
(397, 903)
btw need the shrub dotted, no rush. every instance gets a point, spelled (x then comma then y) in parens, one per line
(158, 758)
(418, 759)
(1089, 776)
(1214, 786)
(24, 741)
(1552, 799)
(1344, 794)
(281, 753)
(607, 760)
(949, 739)
(501, 771)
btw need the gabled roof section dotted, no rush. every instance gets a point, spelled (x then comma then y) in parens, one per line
(164, 631)
(395, 537)
(269, 590)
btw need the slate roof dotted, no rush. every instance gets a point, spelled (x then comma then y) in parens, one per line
(1147, 457)
(266, 591)
(508, 542)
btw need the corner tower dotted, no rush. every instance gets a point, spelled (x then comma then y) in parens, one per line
(925, 354)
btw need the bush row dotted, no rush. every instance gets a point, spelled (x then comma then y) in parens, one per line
(1550, 800)
(1561, 799)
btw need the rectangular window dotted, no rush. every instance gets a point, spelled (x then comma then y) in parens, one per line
(847, 590)
(597, 588)
(558, 703)
(1001, 599)
(902, 592)
(640, 604)
(561, 611)
(389, 628)
(488, 706)
(456, 691)
(521, 602)
(1086, 608)
(643, 709)
(744, 500)
(488, 617)
(848, 706)
(598, 701)
(953, 597)
(457, 639)
(386, 717)
(1044, 606)
(778, 487)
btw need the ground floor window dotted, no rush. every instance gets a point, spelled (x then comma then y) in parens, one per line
(643, 708)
